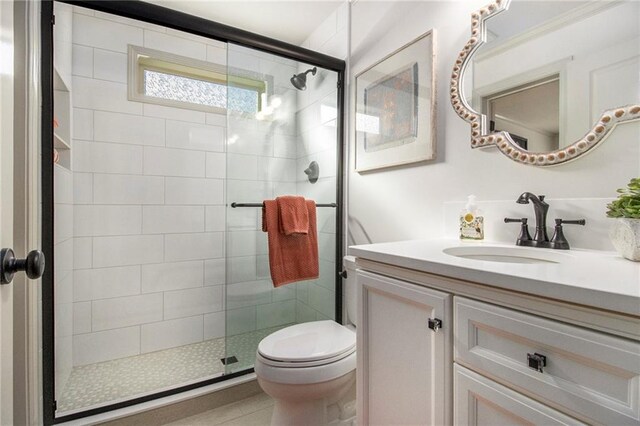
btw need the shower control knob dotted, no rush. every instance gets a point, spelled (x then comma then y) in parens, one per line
(32, 265)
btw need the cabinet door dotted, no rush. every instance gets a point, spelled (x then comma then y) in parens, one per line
(479, 401)
(404, 367)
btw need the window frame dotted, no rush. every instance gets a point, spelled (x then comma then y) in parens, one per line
(141, 59)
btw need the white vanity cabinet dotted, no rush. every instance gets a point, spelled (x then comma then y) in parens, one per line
(586, 373)
(479, 368)
(404, 366)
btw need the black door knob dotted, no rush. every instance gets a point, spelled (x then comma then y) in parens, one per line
(33, 265)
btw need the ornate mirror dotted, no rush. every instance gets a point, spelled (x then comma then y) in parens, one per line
(547, 81)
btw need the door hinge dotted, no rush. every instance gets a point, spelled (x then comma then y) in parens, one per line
(53, 19)
(55, 405)
(435, 324)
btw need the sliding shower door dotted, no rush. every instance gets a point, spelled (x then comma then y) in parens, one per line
(140, 116)
(275, 131)
(165, 146)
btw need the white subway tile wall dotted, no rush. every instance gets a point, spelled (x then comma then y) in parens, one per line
(316, 140)
(262, 164)
(149, 187)
(143, 212)
(64, 309)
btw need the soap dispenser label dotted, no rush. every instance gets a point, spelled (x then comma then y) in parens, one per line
(471, 227)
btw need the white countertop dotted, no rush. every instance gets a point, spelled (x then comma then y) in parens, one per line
(599, 279)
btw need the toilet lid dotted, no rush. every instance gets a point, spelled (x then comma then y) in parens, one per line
(311, 341)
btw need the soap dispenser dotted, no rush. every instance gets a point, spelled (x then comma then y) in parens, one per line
(471, 221)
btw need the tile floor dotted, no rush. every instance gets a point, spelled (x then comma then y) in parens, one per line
(120, 379)
(252, 411)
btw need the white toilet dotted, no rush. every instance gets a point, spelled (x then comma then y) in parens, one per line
(309, 368)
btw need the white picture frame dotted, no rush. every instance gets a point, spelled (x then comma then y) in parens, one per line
(396, 107)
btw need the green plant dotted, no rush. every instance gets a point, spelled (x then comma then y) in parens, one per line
(628, 202)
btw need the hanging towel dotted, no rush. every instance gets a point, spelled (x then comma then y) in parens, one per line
(293, 215)
(291, 257)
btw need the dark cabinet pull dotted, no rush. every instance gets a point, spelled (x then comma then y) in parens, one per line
(435, 324)
(536, 361)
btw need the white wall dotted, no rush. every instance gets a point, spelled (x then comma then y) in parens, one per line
(260, 165)
(317, 136)
(63, 209)
(148, 210)
(63, 277)
(409, 202)
(151, 184)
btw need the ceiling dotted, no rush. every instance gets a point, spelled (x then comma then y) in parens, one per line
(290, 21)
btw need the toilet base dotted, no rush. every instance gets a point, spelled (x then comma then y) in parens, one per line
(317, 404)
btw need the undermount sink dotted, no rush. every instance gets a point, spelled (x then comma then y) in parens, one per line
(505, 254)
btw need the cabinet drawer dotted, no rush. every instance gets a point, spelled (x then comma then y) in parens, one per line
(591, 375)
(479, 401)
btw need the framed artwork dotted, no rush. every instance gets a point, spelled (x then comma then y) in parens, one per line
(395, 107)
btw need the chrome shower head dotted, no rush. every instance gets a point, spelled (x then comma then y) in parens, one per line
(299, 81)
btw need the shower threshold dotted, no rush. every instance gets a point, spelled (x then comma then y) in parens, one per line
(110, 382)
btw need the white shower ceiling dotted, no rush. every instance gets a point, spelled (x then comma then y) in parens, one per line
(290, 21)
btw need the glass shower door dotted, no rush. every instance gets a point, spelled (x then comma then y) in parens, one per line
(139, 209)
(275, 131)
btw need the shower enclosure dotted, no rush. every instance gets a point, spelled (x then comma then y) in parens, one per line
(168, 133)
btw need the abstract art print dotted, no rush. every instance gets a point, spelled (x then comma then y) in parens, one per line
(395, 108)
(394, 100)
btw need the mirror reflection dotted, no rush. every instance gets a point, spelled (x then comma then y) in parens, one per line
(549, 69)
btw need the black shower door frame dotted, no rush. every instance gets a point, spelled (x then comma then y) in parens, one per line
(146, 12)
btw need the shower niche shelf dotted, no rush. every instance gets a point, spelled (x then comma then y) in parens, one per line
(62, 123)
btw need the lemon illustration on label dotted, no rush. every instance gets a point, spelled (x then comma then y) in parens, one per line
(468, 218)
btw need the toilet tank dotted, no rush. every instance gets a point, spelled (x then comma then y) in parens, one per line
(350, 291)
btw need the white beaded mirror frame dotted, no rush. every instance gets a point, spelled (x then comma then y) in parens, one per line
(502, 140)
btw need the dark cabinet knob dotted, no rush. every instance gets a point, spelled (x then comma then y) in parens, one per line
(536, 361)
(32, 265)
(434, 324)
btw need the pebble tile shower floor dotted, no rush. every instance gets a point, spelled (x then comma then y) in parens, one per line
(125, 378)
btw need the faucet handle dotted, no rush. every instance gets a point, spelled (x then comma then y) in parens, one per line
(559, 241)
(560, 222)
(524, 229)
(522, 220)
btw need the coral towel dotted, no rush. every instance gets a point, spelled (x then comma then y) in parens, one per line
(294, 217)
(291, 257)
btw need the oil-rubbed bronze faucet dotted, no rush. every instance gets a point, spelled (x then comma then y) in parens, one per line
(540, 209)
(541, 238)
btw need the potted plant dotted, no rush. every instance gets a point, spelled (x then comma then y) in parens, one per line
(625, 233)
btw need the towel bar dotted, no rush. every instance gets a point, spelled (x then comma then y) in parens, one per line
(235, 205)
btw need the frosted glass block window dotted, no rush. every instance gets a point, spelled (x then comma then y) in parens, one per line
(243, 100)
(166, 79)
(191, 90)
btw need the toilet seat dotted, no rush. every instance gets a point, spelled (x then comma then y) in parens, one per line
(302, 364)
(308, 344)
(304, 375)
(307, 353)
